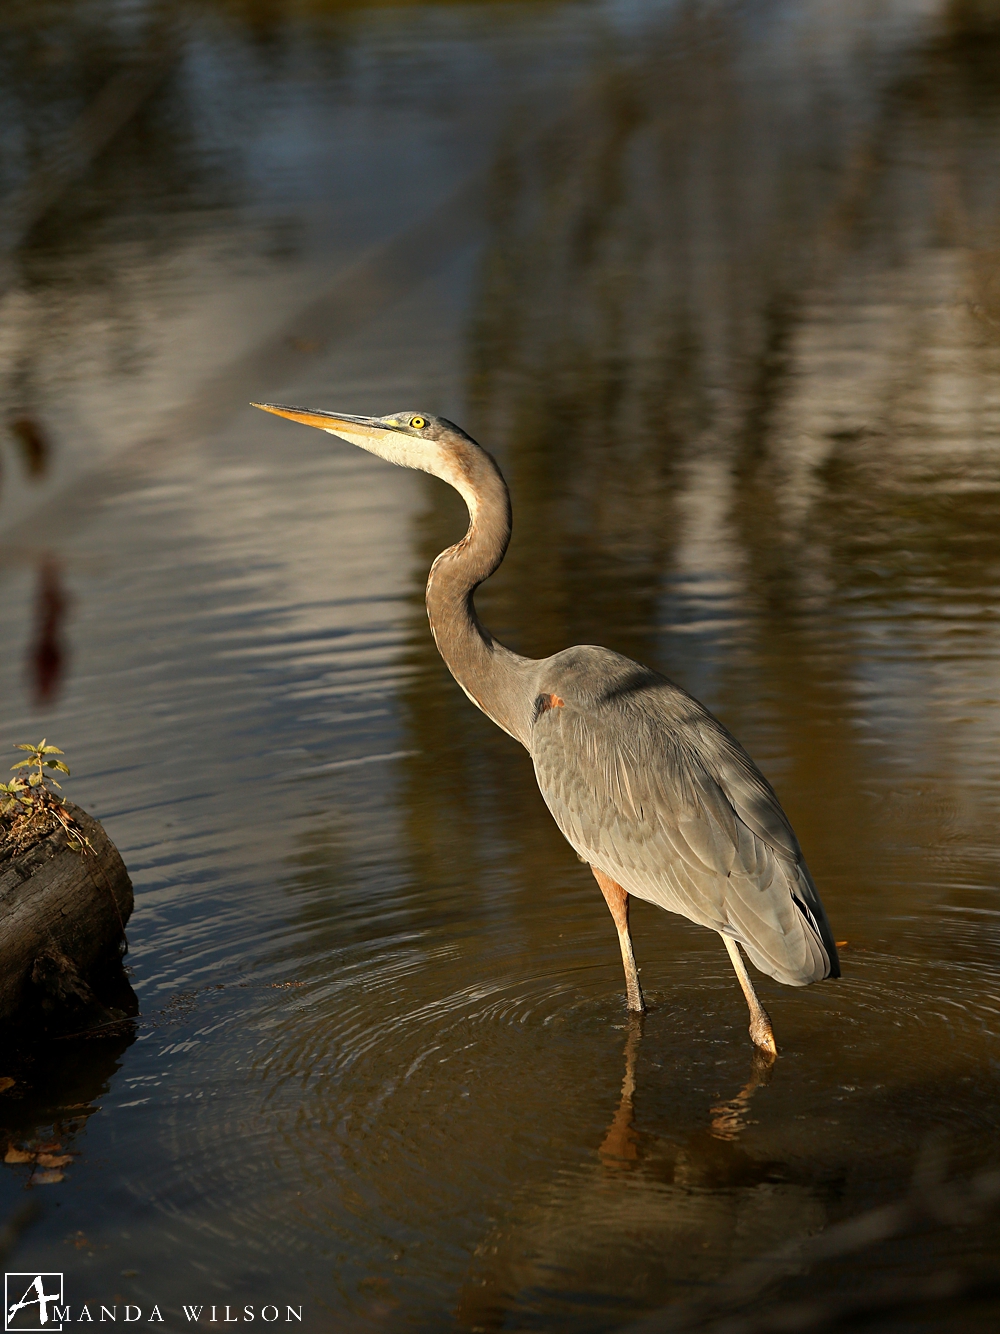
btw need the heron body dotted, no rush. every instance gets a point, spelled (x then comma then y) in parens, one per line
(648, 787)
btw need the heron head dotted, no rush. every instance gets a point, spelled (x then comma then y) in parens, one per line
(410, 439)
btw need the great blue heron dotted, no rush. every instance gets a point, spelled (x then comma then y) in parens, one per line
(649, 788)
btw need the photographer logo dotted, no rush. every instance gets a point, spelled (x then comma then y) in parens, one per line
(33, 1303)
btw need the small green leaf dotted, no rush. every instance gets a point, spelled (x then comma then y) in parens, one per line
(57, 764)
(50, 750)
(24, 747)
(20, 764)
(35, 779)
(55, 784)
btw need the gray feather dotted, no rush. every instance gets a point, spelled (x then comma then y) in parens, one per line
(650, 788)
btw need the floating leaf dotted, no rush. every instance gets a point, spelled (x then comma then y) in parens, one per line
(15, 1155)
(54, 1159)
(6, 1083)
(48, 1178)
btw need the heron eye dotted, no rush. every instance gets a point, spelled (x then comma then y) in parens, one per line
(418, 423)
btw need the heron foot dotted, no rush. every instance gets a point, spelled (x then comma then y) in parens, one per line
(762, 1034)
(633, 990)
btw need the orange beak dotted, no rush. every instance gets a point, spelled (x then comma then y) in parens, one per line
(327, 421)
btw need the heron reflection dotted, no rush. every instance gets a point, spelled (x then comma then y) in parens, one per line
(621, 1144)
(678, 1212)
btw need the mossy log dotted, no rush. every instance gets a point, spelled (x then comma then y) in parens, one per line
(62, 933)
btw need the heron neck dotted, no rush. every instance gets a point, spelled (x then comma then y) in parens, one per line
(489, 673)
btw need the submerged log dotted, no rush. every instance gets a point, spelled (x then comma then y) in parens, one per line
(62, 933)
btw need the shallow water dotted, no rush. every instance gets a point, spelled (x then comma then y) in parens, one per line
(721, 292)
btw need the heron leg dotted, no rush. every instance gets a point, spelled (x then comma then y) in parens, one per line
(760, 1022)
(617, 900)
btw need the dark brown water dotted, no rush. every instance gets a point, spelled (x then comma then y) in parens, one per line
(720, 286)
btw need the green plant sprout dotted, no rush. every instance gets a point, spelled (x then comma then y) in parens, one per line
(20, 799)
(37, 758)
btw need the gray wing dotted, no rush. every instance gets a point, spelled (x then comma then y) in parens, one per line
(652, 790)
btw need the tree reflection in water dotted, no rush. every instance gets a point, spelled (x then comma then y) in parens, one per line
(54, 1089)
(47, 655)
(736, 346)
(737, 349)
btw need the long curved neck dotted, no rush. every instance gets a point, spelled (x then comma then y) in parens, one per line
(491, 675)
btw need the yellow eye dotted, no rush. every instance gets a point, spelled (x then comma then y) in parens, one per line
(418, 423)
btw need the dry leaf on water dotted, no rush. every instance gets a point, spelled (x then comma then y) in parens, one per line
(18, 1156)
(54, 1159)
(47, 1178)
(6, 1083)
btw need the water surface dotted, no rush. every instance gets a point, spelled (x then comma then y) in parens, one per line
(725, 304)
